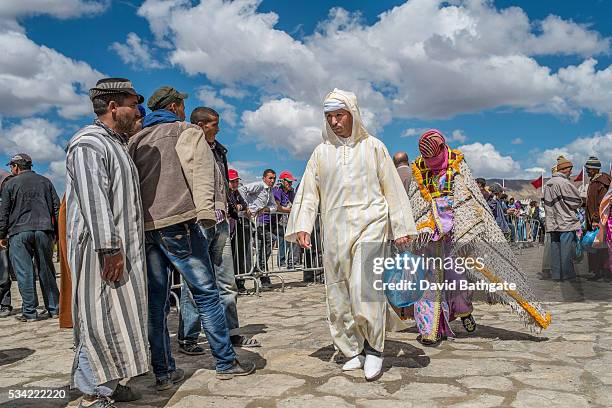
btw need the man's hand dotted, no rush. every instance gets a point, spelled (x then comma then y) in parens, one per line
(112, 269)
(402, 243)
(595, 225)
(3, 243)
(303, 239)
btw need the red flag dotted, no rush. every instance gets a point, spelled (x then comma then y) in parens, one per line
(537, 183)
(580, 175)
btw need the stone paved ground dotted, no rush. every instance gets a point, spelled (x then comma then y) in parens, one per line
(502, 364)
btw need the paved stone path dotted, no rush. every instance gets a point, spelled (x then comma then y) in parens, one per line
(501, 364)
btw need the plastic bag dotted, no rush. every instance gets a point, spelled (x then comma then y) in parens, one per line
(588, 241)
(405, 282)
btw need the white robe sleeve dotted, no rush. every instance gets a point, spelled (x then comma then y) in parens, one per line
(400, 210)
(306, 203)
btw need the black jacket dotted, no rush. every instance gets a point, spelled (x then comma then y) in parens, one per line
(28, 203)
(220, 153)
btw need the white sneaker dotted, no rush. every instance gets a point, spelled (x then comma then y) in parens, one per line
(354, 363)
(372, 367)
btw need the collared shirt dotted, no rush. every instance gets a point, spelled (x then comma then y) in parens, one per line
(258, 195)
(285, 198)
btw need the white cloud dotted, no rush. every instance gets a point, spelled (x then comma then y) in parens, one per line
(57, 174)
(135, 53)
(208, 95)
(13, 9)
(589, 87)
(486, 161)
(517, 141)
(457, 136)
(37, 137)
(566, 37)
(286, 124)
(579, 150)
(535, 170)
(35, 78)
(233, 93)
(157, 13)
(423, 59)
(410, 132)
(246, 170)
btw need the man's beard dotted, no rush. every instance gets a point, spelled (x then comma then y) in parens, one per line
(125, 124)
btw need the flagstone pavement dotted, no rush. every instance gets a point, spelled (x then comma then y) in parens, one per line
(501, 364)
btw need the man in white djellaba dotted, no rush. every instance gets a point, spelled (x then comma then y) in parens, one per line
(351, 179)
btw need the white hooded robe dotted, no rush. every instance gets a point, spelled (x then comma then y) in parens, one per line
(363, 205)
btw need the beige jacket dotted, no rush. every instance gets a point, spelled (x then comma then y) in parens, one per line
(205, 179)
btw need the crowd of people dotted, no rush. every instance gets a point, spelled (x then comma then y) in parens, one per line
(151, 196)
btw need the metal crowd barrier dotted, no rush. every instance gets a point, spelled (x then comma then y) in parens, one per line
(526, 231)
(260, 250)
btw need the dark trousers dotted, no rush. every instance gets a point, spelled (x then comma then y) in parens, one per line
(5, 279)
(598, 262)
(264, 246)
(38, 246)
(241, 247)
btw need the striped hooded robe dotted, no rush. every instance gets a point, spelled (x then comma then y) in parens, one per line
(363, 204)
(104, 211)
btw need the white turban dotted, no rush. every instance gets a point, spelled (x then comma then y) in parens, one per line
(333, 104)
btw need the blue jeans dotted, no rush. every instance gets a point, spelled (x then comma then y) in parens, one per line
(84, 377)
(220, 251)
(26, 247)
(562, 252)
(184, 248)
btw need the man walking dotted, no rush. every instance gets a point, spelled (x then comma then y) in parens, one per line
(361, 216)
(28, 212)
(598, 187)
(105, 247)
(178, 175)
(561, 200)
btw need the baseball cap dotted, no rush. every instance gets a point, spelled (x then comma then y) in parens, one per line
(233, 174)
(164, 96)
(20, 158)
(286, 175)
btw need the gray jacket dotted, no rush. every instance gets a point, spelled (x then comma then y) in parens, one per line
(561, 200)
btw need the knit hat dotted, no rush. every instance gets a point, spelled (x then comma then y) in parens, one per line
(593, 163)
(563, 164)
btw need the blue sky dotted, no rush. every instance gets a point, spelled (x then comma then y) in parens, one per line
(513, 83)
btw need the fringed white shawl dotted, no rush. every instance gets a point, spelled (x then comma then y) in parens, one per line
(475, 233)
